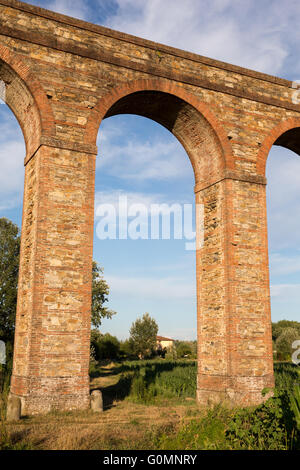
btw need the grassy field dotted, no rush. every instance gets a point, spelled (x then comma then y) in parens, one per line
(151, 405)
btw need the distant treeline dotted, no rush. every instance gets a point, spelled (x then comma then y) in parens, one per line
(284, 333)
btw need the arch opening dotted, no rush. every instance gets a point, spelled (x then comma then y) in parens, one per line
(199, 136)
(290, 140)
(283, 196)
(190, 120)
(21, 102)
(186, 123)
(12, 154)
(144, 152)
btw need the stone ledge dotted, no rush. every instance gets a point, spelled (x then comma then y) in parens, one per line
(64, 145)
(233, 175)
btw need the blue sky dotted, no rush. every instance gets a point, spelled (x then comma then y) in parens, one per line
(139, 158)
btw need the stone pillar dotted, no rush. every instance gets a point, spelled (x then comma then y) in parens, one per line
(52, 340)
(235, 361)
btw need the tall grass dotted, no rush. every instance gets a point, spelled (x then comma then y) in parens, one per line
(163, 379)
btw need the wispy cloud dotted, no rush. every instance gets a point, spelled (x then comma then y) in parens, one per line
(283, 265)
(287, 292)
(151, 288)
(263, 37)
(76, 8)
(136, 157)
(242, 33)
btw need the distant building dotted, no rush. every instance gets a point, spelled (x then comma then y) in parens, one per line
(164, 343)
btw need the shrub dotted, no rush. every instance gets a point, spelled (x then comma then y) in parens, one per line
(183, 349)
(284, 343)
(270, 426)
(206, 433)
(106, 347)
(295, 404)
(127, 349)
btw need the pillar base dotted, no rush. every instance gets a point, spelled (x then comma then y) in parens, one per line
(45, 394)
(233, 391)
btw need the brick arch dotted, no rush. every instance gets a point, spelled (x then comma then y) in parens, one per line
(199, 116)
(27, 100)
(285, 134)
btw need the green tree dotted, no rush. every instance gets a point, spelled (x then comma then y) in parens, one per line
(183, 349)
(127, 348)
(100, 292)
(143, 334)
(284, 343)
(280, 326)
(9, 268)
(105, 346)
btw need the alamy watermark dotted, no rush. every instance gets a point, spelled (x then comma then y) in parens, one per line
(139, 221)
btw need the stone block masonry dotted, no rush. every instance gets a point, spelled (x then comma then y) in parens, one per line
(64, 76)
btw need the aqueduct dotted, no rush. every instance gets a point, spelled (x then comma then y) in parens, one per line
(63, 76)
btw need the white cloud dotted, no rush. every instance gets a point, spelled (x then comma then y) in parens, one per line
(75, 8)
(133, 158)
(285, 301)
(151, 288)
(262, 36)
(286, 292)
(284, 265)
(238, 32)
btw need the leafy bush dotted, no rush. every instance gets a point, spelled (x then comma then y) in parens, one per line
(269, 426)
(279, 327)
(284, 343)
(286, 376)
(183, 349)
(207, 433)
(106, 347)
(127, 349)
(295, 404)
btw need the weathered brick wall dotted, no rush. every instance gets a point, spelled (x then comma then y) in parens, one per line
(63, 77)
(53, 321)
